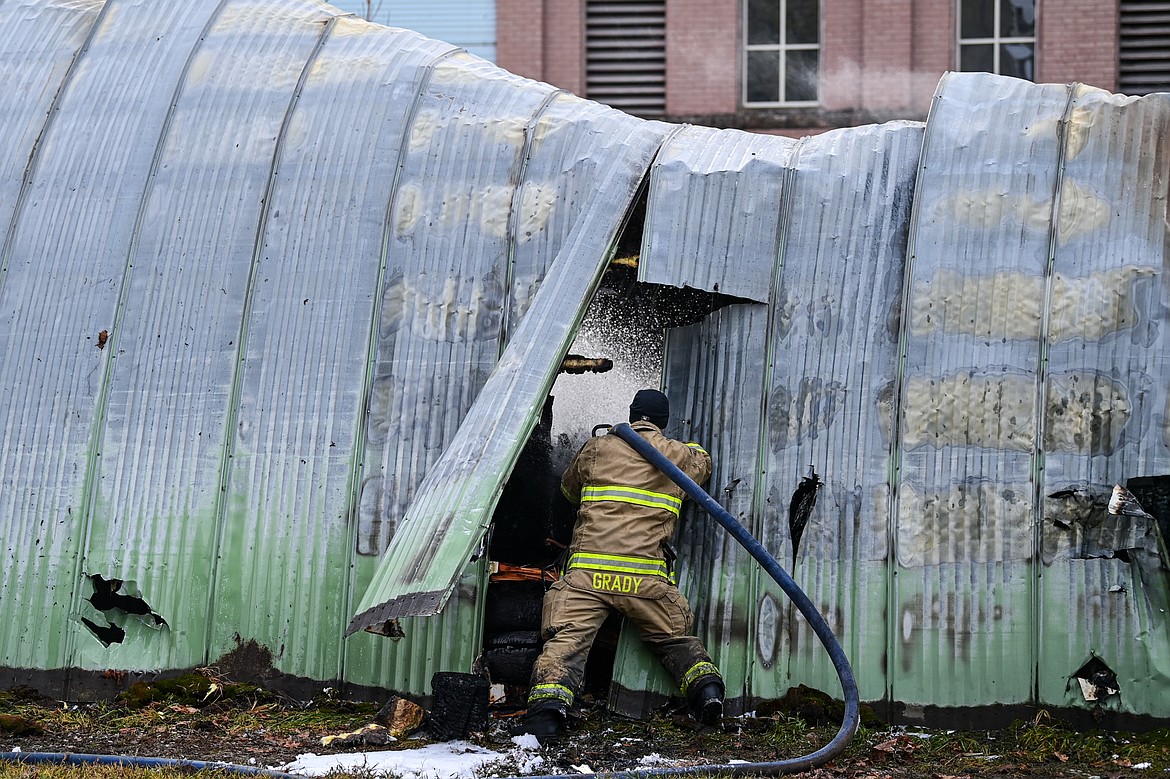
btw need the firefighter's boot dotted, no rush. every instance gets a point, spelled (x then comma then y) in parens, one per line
(706, 703)
(547, 723)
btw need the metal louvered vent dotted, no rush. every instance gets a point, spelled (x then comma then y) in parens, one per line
(625, 56)
(1145, 47)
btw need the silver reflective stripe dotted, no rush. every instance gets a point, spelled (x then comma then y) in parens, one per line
(646, 566)
(632, 495)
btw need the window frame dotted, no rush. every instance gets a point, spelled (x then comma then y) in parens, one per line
(996, 41)
(782, 48)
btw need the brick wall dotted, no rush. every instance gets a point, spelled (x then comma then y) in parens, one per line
(841, 53)
(702, 57)
(564, 48)
(880, 59)
(544, 40)
(520, 37)
(932, 51)
(1078, 42)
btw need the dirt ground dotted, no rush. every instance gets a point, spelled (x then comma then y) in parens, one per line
(250, 727)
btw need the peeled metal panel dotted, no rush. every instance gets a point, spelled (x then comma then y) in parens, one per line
(38, 45)
(962, 616)
(567, 152)
(451, 511)
(834, 356)
(439, 327)
(290, 494)
(712, 213)
(567, 148)
(1103, 585)
(440, 319)
(715, 400)
(68, 258)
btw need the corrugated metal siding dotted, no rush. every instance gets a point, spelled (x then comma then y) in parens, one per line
(439, 324)
(210, 168)
(711, 219)
(1106, 397)
(294, 464)
(452, 509)
(834, 357)
(964, 527)
(37, 49)
(715, 394)
(63, 284)
(805, 379)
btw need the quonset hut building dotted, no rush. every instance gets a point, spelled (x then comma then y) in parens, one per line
(284, 294)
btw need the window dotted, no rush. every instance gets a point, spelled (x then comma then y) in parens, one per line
(782, 52)
(998, 36)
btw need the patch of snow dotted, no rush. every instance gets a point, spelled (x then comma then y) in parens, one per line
(582, 769)
(655, 759)
(449, 760)
(1140, 766)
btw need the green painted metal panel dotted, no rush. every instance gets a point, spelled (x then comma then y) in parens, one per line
(183, 313)
(294, 455)
(1104, 410)
(963, 607)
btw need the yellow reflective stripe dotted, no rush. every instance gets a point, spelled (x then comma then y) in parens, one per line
(545, 692)
(657, 500)
(695, 672)
(697, 447)
(618, 564)
(570, 496)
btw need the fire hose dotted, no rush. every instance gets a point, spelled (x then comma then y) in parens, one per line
(78, 759)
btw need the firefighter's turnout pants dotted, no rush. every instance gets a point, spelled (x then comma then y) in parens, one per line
(574, 610)
(627, 511)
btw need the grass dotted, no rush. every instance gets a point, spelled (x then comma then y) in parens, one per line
(1040, 747)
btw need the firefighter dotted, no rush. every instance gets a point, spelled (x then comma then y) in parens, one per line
(619, 560)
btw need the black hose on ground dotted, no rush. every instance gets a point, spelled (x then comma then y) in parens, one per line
(70, 758)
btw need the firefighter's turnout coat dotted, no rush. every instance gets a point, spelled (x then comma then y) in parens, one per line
(618, 561)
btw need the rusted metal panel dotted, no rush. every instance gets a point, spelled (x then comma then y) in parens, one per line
(711, 218)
